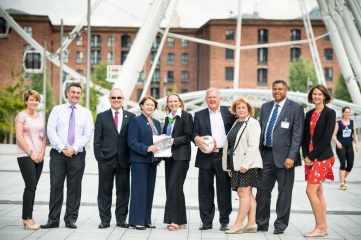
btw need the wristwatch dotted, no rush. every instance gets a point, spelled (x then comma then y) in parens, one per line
(30, 152)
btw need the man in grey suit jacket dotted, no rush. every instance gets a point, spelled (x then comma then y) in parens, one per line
(112, 153)
(281, 123)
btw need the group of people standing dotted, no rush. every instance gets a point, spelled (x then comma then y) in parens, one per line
(249, 154)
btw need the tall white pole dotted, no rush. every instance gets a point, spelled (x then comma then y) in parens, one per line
(88, 72)
(238, 47)
(61, 62)
(44, 82)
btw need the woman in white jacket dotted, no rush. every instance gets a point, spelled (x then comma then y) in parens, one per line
(242, 160)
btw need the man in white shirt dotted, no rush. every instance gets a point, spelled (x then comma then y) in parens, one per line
(215, 121)
(70, 128)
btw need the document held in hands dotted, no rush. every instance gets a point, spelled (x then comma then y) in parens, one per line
(163, 143)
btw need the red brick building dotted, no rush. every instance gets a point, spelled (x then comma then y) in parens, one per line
(188, 65)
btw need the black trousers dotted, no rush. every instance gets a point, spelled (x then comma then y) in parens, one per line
(175, 205)
(31, 173)
(206, 191)
(285, 179)
(72, 169)
(105, 191)
(346, 156)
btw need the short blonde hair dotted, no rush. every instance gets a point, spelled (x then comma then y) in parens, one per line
(166, 108)
(239, 101)
(33, 93)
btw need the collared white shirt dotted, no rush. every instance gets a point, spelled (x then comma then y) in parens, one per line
(217, 126)
(170, 115)
(58, 126)
(280, 106)
(120, 117)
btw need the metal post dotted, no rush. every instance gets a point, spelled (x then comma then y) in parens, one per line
(44, 83)
(88, 73)
(238, 49)
(61, 62)
(165, 86)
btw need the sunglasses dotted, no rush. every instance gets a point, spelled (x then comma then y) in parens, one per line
(116, 97)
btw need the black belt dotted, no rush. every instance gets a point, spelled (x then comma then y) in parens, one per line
(218, 150)
(267, 148)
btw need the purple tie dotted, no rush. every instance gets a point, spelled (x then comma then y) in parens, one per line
(71, 131)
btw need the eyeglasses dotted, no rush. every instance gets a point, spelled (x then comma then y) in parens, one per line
(116, 97)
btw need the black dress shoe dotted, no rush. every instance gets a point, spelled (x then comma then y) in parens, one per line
(139, 227)
(224, 227)
(150, 226)
(206, 227)
(104, 225)
(278, 231)
(123, 224)
(70, 225)
(50, 225)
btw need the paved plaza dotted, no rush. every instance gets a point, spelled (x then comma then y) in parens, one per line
(343, 216)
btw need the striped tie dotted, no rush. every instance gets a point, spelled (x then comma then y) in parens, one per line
(270, 126)
(116, 119)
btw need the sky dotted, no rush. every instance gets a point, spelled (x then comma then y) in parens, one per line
(192, 13)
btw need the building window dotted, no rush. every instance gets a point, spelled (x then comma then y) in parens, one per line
(229, 53)
(95, 41)
(79, 40)
(184, 77)
(139, 94)
(328, 54)
(79, 57)
(229, 73)
(184, 43)
(141, 77)
(65, 56)
(170, 59)
(95, 57)
(295, 35)
(110, 41)
(262, 76)
(156, 42)
(184, 59)
(229, 34)
(295, 53)
(328, 74)
(154, 92)
(79, 71)
(125, 41)
(110, 57)
(29, 30)
(327, 38)
(184, 90)
(124, 55)
(156, 76)
(170, 42)
(152, 57)
(170, 76)
(262, 36)
(262, 55)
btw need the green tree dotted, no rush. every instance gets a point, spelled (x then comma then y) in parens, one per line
(11, 102)
(341, 91)
(37, 85)
(300, 71)
(100, 74)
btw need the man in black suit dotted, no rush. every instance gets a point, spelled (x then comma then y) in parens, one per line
(112, 153)
(215, 121)
(281, 123)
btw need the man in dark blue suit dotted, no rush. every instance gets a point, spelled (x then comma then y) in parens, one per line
(215, 121)
(112, 153)
(281, 123)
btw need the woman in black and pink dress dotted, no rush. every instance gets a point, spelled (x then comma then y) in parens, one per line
(319, 158)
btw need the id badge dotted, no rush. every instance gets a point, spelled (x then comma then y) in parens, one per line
(346, 133)
(285, 124)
